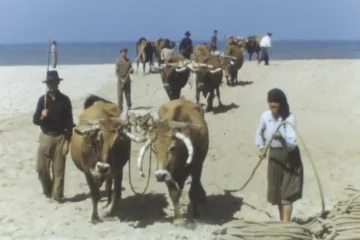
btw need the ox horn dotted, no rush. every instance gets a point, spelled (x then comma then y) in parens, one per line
(133, 137)
(180, 69)
(140, 159)
(188, 145)
(216, 70)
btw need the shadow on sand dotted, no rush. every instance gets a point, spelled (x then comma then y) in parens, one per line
(224, 108)
(145, 209)
(219, 209)
(243, 83)
(83, 196)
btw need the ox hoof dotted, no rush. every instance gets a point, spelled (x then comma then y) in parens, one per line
(108, 214)
(180, 222)
(95, 220)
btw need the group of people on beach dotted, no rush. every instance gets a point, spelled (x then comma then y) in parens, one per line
(54, 116)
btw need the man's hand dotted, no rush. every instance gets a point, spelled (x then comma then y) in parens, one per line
(65, 149)
(44, 113)
(262, 153)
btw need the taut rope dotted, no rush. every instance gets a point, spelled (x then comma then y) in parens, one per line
(266, 149)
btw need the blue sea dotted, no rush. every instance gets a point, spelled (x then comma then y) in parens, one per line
(105, 53)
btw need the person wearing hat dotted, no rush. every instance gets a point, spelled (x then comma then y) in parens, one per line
(213, 41)
(265, 45)
(54, 54)
(186, 46)
(285, 169)
(123, 70)
(54, 116)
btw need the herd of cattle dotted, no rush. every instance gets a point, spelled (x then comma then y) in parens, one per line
(208, 67)
(177, 132)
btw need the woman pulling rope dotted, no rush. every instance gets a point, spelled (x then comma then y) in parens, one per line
(285, 168)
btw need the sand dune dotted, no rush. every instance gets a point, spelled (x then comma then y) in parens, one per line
(322, 96)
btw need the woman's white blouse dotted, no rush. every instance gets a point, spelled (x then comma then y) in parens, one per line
(267, 127)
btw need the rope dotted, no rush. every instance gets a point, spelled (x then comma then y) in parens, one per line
(342, 223)
(147, 181)
(266, 149)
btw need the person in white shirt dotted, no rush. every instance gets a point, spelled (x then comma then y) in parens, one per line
(167, 52)
(265, 45)
(285, 170)
(54, 54)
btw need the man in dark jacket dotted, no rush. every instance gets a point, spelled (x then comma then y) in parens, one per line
(54, 116)
(186, 46)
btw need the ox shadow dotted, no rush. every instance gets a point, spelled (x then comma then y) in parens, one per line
(219, 209)
(144, 209)
(243, 83)
(83, 196)
(224, 108)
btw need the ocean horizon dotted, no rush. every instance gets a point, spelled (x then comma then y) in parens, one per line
(108, 52)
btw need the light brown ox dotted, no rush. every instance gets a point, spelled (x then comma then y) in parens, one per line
(179, 134)
(100, 147)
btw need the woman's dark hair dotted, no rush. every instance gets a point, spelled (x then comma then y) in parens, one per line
(278, 96)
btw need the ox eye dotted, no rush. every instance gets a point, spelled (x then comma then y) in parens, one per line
(172, 148)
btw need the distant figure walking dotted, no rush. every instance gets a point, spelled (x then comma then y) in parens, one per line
(167, 52)
(265, 45)
(186, 46)
(54, 54)
(123, 70)
(213, 42)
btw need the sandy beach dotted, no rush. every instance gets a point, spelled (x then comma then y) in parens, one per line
(322, 95)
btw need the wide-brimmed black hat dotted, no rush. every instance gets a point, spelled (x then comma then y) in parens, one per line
(52, 76)
(187, 33)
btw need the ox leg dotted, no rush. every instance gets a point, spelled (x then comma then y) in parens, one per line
(197, 193)
(257, 55)
(210, 100)
(108, 190)
(197, 96)
(250, 55)
(218, 96)
(144, 66)
(116, 194)
(175, 194)
(95, 197)
(137, 65)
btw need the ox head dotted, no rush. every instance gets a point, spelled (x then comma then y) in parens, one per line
(203, 71)
(229, 64)
(170, 143)
(100, 135)
(171, 70)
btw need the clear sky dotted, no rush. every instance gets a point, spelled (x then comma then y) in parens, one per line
(120, 20)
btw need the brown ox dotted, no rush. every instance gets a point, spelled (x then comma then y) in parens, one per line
(174, 75)
(209, 73)
(180, 139)
(201, 51)
(233, 60)
(144, 53)
(100, 147)
(158, 46)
